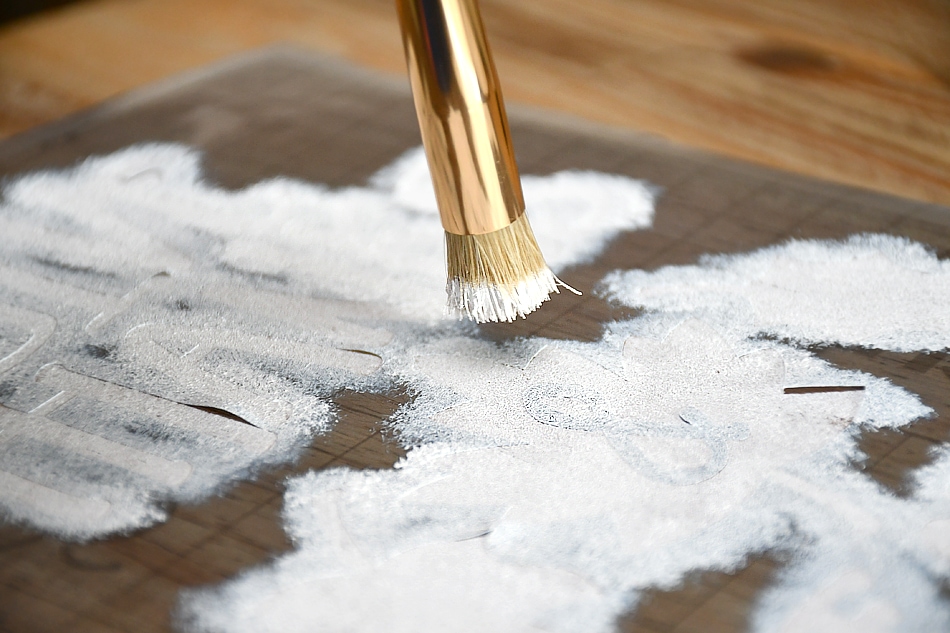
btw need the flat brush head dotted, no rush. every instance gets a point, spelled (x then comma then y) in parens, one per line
(497, 276)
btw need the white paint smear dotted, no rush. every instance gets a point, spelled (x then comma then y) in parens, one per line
(626, 464)
(130, 289)
(874, 291)
(549, 482)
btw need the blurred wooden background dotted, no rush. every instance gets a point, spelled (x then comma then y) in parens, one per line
(855, 91)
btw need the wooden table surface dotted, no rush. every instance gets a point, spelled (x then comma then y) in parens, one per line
(853, 91)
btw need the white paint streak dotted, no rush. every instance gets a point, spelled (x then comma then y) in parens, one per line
(129, 288)
(626, 465)
(869, 291)
(550, 483)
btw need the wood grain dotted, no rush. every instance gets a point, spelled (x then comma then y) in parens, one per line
(854, 91)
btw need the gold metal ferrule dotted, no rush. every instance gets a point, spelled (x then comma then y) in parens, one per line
(461, 115)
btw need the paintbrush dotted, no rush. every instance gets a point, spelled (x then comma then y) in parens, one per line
(495, 270)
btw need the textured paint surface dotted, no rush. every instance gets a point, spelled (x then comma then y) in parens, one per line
(870, 291)
(133, 293)
(625, 464)
(670, 445)
(548, 483)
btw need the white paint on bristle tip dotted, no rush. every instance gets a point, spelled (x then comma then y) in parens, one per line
(486, 303)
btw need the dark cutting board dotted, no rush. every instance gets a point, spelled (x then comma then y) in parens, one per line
(280, 112)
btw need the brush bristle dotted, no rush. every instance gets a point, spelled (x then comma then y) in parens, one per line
(497, 276)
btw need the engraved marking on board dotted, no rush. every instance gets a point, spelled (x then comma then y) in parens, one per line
(40, 326)
(334, 319)
(46, 502)
(693, 426)
(147, 339)
(26, 497)
(18, 281)
(37, 424)
(249, 438)
(123, 303)
(255, 395)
